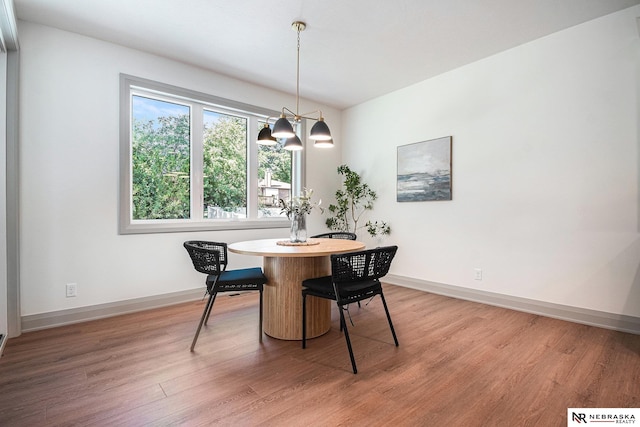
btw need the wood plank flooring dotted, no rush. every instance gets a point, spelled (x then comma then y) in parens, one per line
(459, 363)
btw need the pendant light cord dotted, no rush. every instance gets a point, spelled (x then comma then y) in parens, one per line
(298, 77)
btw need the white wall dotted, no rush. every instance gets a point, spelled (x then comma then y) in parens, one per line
(545, 169)
(69, 173)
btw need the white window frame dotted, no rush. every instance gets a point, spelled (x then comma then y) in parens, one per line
(130, 85)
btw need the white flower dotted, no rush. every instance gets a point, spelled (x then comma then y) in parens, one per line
(300, 205)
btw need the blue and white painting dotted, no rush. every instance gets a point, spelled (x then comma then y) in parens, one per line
(424, 171)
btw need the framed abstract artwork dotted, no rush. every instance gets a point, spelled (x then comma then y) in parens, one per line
(424, 171)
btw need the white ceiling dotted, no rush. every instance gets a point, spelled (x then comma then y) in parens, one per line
(351, 51)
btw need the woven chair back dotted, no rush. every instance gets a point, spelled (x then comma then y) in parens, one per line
(363, 265)
(207, 257)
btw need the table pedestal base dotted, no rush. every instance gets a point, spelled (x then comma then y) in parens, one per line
(283, 297)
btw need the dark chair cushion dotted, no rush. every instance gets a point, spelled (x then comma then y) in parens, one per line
(320, 286)
(243, 275)
(357, 287)
(238, 280)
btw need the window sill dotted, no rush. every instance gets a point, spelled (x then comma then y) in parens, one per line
(183, 226)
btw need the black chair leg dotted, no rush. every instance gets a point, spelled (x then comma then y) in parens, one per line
(210, 306)
(346, 336)
(260, 321)
(205, 316)
(304, 320)
(386, 310)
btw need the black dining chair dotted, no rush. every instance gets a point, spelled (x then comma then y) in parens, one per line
(355, 276)
(337, 235)
(211, 259)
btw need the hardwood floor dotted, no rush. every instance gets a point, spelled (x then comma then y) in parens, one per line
(459, 363)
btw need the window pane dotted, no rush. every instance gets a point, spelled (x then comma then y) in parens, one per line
(160, 159)
(225, 165)
(274, 178)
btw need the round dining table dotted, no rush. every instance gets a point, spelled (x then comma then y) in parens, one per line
(286, 265)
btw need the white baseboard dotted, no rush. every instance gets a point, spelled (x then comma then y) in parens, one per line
(83, 314)
(601, 319)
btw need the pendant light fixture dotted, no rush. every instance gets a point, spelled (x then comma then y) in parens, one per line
(282, 128)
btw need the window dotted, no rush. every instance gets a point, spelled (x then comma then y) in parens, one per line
(275, 173)
(189, 161)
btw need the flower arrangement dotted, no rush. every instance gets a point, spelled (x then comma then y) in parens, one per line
(300, 205)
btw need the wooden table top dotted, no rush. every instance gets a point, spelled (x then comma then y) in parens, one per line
(270, 248)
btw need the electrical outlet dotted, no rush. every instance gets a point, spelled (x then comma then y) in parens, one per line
(71, 290)
(478, 273)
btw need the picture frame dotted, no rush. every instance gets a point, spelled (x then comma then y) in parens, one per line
(424, 171)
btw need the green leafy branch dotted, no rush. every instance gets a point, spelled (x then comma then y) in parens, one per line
(352, 201)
